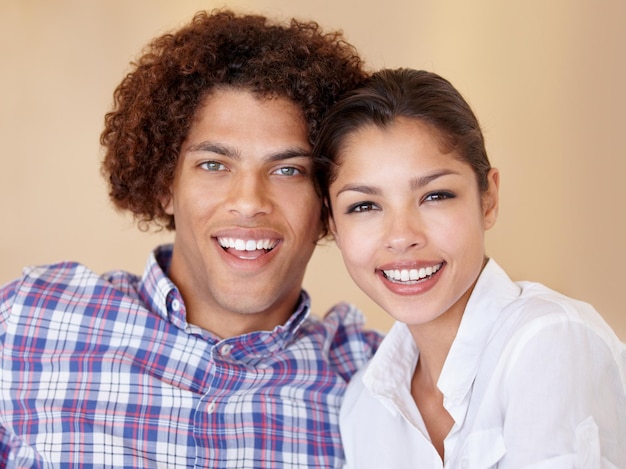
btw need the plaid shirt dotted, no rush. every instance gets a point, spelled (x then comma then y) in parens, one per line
(104, 371)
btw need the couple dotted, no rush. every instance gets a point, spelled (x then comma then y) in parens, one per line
(212, 359)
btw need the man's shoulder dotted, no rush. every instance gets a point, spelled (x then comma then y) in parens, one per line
(55, 273)
(349, 343)
(345, 314)
(67, 304)
(341, 319)
(65, 280)
(71, 276)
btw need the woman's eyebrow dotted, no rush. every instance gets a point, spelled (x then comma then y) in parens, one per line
(363, 188)
(415, 183)
(419, 182)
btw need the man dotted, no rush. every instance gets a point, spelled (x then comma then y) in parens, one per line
(210, 359)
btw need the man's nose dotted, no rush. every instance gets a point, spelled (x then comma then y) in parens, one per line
(249, 196)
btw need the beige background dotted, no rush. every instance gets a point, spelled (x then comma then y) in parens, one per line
(546, 79)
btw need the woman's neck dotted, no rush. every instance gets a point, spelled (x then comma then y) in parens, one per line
(434, 340)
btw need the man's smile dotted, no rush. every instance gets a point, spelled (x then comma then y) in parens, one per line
(247, 244)
(247, 249)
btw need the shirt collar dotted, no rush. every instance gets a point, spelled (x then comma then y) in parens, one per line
(389, 372)
(253, 347)
(156, 289)
(492, 292)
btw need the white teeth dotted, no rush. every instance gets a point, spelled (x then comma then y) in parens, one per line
(246, 245)
(405, 275)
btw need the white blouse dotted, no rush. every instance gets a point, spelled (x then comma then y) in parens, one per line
(533, 379)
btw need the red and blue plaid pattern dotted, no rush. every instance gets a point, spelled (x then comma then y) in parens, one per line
(104, 371)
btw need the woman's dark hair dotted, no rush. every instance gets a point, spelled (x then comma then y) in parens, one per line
(413, 94)
(155, 103)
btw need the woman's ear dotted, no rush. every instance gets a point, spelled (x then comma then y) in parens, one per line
(331, 226)
(491, 199)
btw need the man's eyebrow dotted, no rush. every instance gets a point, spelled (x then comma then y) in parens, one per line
(287, 153)
(212, 147)
(231, 152)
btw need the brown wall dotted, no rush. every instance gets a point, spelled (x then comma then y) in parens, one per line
(545, 78)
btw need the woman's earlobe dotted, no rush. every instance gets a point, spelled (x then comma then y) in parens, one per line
(333, 230)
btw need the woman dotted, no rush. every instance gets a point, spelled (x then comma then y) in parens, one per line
(478, 371)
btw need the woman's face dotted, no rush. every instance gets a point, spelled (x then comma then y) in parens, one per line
(410, 220)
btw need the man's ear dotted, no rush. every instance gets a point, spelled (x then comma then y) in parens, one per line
(491, 199)
(167, 203)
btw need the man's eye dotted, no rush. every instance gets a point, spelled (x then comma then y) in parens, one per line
(288, 171)
(212, 166)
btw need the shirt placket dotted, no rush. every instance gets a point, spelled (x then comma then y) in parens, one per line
(216, 442)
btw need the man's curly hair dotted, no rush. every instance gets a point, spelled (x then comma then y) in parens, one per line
(155, 103)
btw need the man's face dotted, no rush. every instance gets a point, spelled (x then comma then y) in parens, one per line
(246, 211)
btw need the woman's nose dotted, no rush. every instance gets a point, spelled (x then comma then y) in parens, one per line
(403, 231)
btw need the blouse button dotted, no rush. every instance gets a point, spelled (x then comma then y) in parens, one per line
(226, 349)
(175, 304)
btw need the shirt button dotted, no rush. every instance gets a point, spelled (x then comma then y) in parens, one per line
(211, 408)
(175, 304)
(226, 349)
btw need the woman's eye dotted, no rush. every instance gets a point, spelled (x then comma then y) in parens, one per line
(437, 196)
(361, 207)
(212, 166)
(288, 171)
